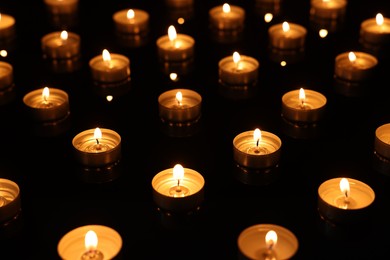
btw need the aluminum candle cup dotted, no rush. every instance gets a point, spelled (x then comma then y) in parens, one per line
(339, 206)
(375, 31)
(247, 154)
(131, 21)
(241, 73)
(178, 50)
(95, 152)
(61, 45)
(184, 110)
(355, 66)
(167, 197)
(328, 9)
(110, 68)
(6, 75)
(309, 109)
(287, 36)
(382, 141)
(7, 27)
(9, 200)
(252, 243)
(227, 17)
(50, 109)
(58, 7)
(72, 244)
(179, 3)
(263, 7)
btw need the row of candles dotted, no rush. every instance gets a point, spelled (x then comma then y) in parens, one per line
(177, 189)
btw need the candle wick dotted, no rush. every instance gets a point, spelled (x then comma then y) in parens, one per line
(178, 189)
(271, 245)
(97, 141)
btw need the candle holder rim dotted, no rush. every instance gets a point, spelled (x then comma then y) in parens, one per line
(182, 36)
(52, 91)
(190, 92)
(359, 54)
(85, 132)
(379, 129)
(321, 97)
(291, 24)
(242, 58)
(99, 58)
(250, 133)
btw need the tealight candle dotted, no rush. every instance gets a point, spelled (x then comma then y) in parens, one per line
(179, 3)
(328, 9)
(227, 17)
(238, 70)
(343, 200)
(9, 200)
(355, 66)
(180, 106)
(287, 36)
(62, 6)
(90, 242)
(257, 149)
(131, 21)
(303, 105)
(267, 241)
(47, 104)
(97, 147)
(178, 189)
(110, 68)
(382, 141)
(375, 31)
(6, 75)
(61, 45)
(7, 26)
(175, 47)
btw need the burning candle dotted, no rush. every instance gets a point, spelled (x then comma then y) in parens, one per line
(355, 66)
(9, 200)
(375, 31)
(382, 141)
(97, 147)
(61, 6)
(238, 70)
(175, 47)
(267, 241)
(61, 45)
(303, 105)
(110, 68)
(47, 104)
(180, 106)
(343, 200)
(178, 189)
(227, 17)
(328, 9)
(131, 21)
(6, 75)
(7, 26)
(100, 242)
(257, 149)
(287, 36)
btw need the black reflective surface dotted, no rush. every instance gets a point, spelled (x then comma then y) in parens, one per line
(57, 195)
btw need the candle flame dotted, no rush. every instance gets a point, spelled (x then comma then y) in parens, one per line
(302, 95)
(172, 33)
(379, 19)
(268, 17)
(3, 53)
(179, 97)
(323, 33)
(344, 187)
(130, 14)
(352, 56)
(173, 76)
(285, 27)
(178, 172)
(64, 35)
(45, 94)
(91, 240)
(226, 8)
(106, 55)
(257, 136)
(236, 57)
(271, 238)
(97, 134)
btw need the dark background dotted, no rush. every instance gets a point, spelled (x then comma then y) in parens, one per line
(56, 198)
